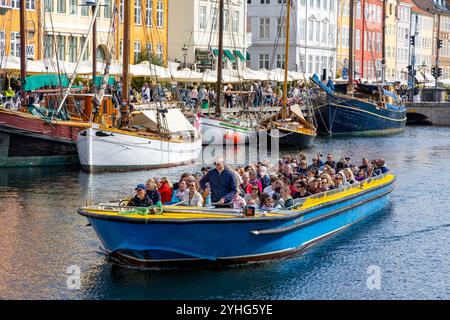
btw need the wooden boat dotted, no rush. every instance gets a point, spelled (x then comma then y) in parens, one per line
(343, 114)
(30, 137)
(153, 140)
(185, 235)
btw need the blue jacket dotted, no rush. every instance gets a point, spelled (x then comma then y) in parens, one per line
(223, 185)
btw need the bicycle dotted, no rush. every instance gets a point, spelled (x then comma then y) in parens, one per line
(12, 104)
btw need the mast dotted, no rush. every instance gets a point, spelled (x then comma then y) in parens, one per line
(350, 42)
(23, 48)
(126, 59)
(383, 42)
(219, 58)
(94, 49)
(284, 113)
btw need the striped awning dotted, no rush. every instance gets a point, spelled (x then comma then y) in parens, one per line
(229, 55)
(239, 55)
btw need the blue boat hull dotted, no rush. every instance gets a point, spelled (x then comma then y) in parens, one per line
(233, 241)
(348, 116)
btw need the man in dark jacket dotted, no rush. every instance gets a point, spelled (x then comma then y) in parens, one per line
(222, 183)
(141, 199)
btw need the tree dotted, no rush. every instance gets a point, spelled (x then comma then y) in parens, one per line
(151, 57)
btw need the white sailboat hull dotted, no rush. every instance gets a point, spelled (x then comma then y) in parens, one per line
(220, 132)
(103, 150)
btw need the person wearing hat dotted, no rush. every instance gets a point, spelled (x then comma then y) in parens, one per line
(141, 199)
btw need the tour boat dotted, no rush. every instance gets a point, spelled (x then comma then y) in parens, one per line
(188, 235)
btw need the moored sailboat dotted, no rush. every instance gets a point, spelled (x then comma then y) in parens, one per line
(141, 139)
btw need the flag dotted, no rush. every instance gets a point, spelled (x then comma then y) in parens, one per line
(198, 123)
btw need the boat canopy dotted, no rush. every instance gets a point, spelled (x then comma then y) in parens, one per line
(176, 121)
(317, 81)
(392, 95)
(44, 80)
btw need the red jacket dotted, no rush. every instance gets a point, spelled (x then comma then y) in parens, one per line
(166, 193)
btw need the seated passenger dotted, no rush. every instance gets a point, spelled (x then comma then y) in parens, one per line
(141, 199)
(302, 192)
(192, 197)
(254, 197)
(179, 193)
(362, 175)
(286, 200)
(165, 190)
(382, 166)
(268, 203)
(238, 201)
(152, 192)
(349, 175)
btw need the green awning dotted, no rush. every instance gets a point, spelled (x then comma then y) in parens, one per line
(98, 80)
(239, 55)
(247, 56)
(216, 52)
(43, 80)
(229, 55)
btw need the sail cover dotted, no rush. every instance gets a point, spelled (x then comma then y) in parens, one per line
(176, 121)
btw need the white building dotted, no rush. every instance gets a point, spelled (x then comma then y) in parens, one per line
(312, 36)
(403, 40)
(194, 26)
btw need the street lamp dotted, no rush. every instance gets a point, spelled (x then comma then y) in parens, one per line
(184, 49)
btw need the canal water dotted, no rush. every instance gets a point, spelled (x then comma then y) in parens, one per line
(402, 252)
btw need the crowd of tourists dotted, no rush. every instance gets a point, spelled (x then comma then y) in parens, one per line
(263, 185)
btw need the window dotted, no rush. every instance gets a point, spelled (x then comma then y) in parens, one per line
(121, 49)
(73, 6)
(214, 19)
(29, 51)
(225, 20)
(86, 53)
(149, 48)
(264, 28)
(61, 6)
(301, 60)
(202, 18)
(137, 12)
(318, 31)
(281, 58)
(72, 49)
(107, 13)
(264, 61)
(331, 5)
(281, 28)
(160, 51)
(61, 41)
(324, 32)
(48, 46)
(235, 27)
(310, 64)
(159, 14)
(317, 66)
(2, 43)
(30, 5)
(15, 44)
(148, 13)
(302, 29)
(378, 41)
(48, 5)
(358, 10)
(137, 51)
(311, 30)
(85, 10)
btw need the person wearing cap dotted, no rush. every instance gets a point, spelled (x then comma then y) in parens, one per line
(141, 199)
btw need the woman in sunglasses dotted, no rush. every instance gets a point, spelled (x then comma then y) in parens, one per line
(254, 197)
(192, 198)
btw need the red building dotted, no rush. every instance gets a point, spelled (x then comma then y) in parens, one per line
(368, 39)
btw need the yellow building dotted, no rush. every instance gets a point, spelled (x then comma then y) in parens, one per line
(149, 31)
(391, 39)
(10, 28)
(342, 45)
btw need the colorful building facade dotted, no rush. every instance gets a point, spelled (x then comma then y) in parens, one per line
(10, 29)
